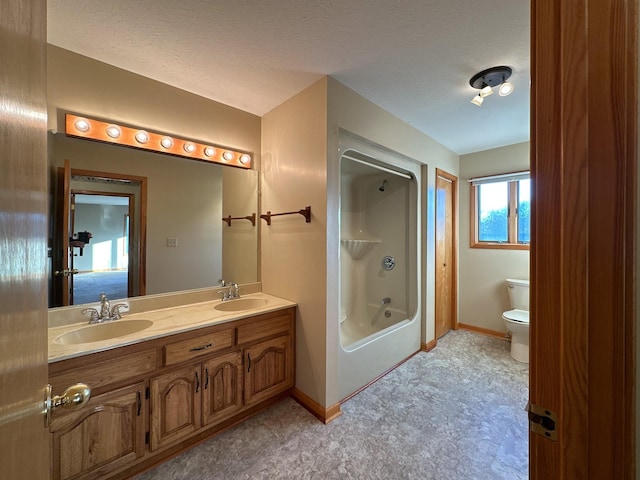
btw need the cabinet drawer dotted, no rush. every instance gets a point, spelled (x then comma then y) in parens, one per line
(106, 372)
(264, 328)
(179, 352)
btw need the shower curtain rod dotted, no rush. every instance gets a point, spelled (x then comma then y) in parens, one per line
(384, 169)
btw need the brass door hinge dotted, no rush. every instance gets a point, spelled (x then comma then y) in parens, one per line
(543, 421)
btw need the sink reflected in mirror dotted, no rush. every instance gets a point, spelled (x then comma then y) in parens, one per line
(103, 331)
(241, 304)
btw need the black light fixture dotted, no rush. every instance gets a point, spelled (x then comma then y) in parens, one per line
(489, 78)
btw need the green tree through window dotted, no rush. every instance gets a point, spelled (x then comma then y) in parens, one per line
(502, 211)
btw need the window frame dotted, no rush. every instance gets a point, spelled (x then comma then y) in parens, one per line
(512, 219)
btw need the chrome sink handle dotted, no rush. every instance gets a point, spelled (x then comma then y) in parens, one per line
(92, 313)
(115, 310)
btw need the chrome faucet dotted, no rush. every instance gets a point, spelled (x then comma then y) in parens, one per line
(233, 291)
(106, 313)
(105, 306)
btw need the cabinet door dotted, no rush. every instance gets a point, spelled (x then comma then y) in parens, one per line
(175, 405)
(101, 437)
(268, 369)
(222, 390)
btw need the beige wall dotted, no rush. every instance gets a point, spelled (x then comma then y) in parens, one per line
(482, 272)
(82, 85)
(294, 252)
(300, 140)
(353, 113)
(176, 186)
(240, 239)
(300, 150)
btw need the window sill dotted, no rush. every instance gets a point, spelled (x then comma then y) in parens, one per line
(501, 246)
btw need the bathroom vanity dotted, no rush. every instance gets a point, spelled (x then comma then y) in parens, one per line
(197, 370)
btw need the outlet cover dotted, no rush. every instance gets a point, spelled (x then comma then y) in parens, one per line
(172, 242)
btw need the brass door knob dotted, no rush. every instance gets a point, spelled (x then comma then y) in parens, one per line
(73, 397)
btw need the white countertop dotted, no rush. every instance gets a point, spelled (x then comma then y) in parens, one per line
(166, 321)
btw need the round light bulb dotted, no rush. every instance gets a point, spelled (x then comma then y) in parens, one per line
(209, 151)
(505, 89)
(189, 147)
(113, 131)
(142, 136)
(244, 158)
(82, 124)
(166, 142)
(227, 156)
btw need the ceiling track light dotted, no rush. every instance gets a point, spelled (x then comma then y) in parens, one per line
(108, 132)
(485, 80)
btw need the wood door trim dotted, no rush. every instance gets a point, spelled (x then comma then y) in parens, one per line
(61, 244)
(583, 158)
(454, 245)
(141, 250)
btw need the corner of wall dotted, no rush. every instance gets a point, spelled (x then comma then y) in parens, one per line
(294, 170)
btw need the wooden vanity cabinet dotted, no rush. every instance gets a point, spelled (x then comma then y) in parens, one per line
(156, 398)
(269, 369)
(107, 434)
(184, 400)
(175, 406)
(222, 390)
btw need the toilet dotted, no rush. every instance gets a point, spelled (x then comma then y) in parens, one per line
(517, 319)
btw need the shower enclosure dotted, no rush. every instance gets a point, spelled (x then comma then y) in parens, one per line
(379, 266)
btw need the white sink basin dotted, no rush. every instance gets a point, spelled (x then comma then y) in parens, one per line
(102, 331)
(241, 304)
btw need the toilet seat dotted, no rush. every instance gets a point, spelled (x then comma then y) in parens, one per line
(516, 315)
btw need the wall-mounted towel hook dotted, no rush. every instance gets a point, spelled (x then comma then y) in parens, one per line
(305, 212)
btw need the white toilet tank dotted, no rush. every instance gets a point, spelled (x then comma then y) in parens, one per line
(518, 293)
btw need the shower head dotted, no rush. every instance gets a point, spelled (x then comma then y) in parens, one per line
(384, 185)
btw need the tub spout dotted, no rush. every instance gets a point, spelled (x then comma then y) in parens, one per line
(386, 300)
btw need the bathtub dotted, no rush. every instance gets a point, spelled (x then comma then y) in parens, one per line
(379, 266)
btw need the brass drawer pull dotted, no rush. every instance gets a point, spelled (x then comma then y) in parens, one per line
(204, 347)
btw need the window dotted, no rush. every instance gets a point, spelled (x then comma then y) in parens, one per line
(500, 211)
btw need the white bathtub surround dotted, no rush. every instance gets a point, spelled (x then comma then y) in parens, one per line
(379, 277)
(475, 426)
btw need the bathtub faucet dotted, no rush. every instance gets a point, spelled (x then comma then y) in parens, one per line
(386, 300)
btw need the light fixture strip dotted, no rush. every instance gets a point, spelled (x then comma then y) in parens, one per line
(97, 130)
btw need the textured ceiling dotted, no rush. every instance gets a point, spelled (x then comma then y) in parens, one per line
(413, 58)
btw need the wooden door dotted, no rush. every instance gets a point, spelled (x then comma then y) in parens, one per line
(62, 255)
(222, 390)
(268, 369)
(101, 437)
(583, 170)
(446, 277)
(175, 405)
(24, 448)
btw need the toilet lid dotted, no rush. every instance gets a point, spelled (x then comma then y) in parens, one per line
(517, 315)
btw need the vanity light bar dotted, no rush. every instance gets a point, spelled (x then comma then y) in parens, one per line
(92, 129)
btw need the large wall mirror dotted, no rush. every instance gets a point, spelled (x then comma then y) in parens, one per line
(187, 244)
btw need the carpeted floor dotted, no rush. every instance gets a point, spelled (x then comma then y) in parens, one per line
(456, 412)
(87, 286)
